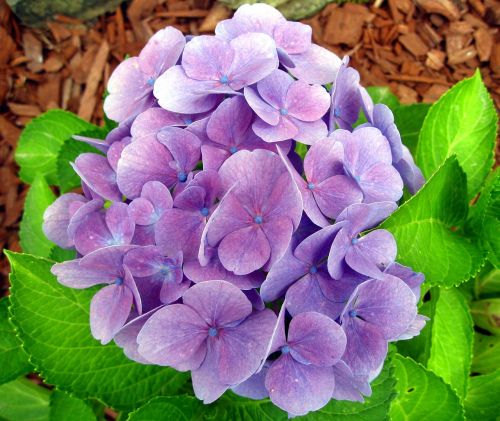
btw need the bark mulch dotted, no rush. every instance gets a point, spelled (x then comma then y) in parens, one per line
(418, 48)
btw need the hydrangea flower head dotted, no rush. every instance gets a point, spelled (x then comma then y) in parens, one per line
(237, 183)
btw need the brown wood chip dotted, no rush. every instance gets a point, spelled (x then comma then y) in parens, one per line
(484, 43)
(414, 44)
(442, 7)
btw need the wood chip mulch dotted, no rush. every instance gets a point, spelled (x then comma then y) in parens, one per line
(419, 48)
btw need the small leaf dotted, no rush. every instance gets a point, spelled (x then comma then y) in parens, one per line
(422, 395)
(41, 140)
(486, 314)
(487, 284)
(39, 197)
(425, 229)
(69, 151)
(486, 354)
(462, 122)
(14, 362)
(483, 401)
(23, 400)
(452, 338)
(63, 406)
(409, 120)
(383, 95)
(53, 324)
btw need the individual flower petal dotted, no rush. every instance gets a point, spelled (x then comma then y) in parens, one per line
(218, 302)
(273, 89)
(316, 339)
(414, 329)
(174, 336)
(241, 349)
(265, 111)
(96, 172)
(310, 131)
(293, 37)
(120, 223)
(109, 310)
(56, 219)
(363, 216)
(253, 387)
(141, 162)
(372, 253)
(315, 65)
(413, 279)
(383, 119)
(410, 173)
(305, 102)
(335, 194)
(347, 386)
(72, 275)
(298, 388)
(283, 130)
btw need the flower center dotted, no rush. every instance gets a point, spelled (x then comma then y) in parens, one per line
(188, 121)
(151, 81)
(313, 270)
(204, 211)
(182, 177)
(283, 111)
(212, 332)
(285, 349)
(311, 186)
(118, 281)
(224, 79)
(353, 313)
(258, 219)
(336, 112)
(356, 177)
(233, 149)
(354, 241)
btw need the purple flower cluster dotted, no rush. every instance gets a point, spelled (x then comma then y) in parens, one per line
(221, 252)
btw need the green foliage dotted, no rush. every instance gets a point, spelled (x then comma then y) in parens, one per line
(483, 401)
(39, 197)
(452, 338)
(409, 120)
(63, 406)
(424, 229)
(52, 321)
(23, 400)
(486, 314)
(292, 9)
(41, 140)
(486, 353)
(383, 95)
(463, 122)
(422, 395)
(13, 360)
(171, 408)
(484, 222)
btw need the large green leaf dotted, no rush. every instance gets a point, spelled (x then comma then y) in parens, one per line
(64, 406)
(484, 221)
(424, 229)
(171, 408)
(422, 395)
(452, 339)
(14, 361)
(22, 400)
(486, 314)
(486, 354)
(53, 323)
(41, 140)
(39, 197)
(409, 120)
(69, 151)
(483, 403)
(462, 122)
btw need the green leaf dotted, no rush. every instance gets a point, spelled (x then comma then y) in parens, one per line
(64, 406)
(172, 408)
(23, 400)
(14, 362)
(486, 314)
(424, 229)
(483, 401)
(39, 197)
(452, 339)
(487, 283)
(69, 151)
(484, 221)
(383, 95)
(409, 120)
(41, 140)
(53, 323)
(58, 254)
(486, 354)
(422, 396)
(462, 122)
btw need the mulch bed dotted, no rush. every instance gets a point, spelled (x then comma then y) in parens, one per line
(418, 48)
